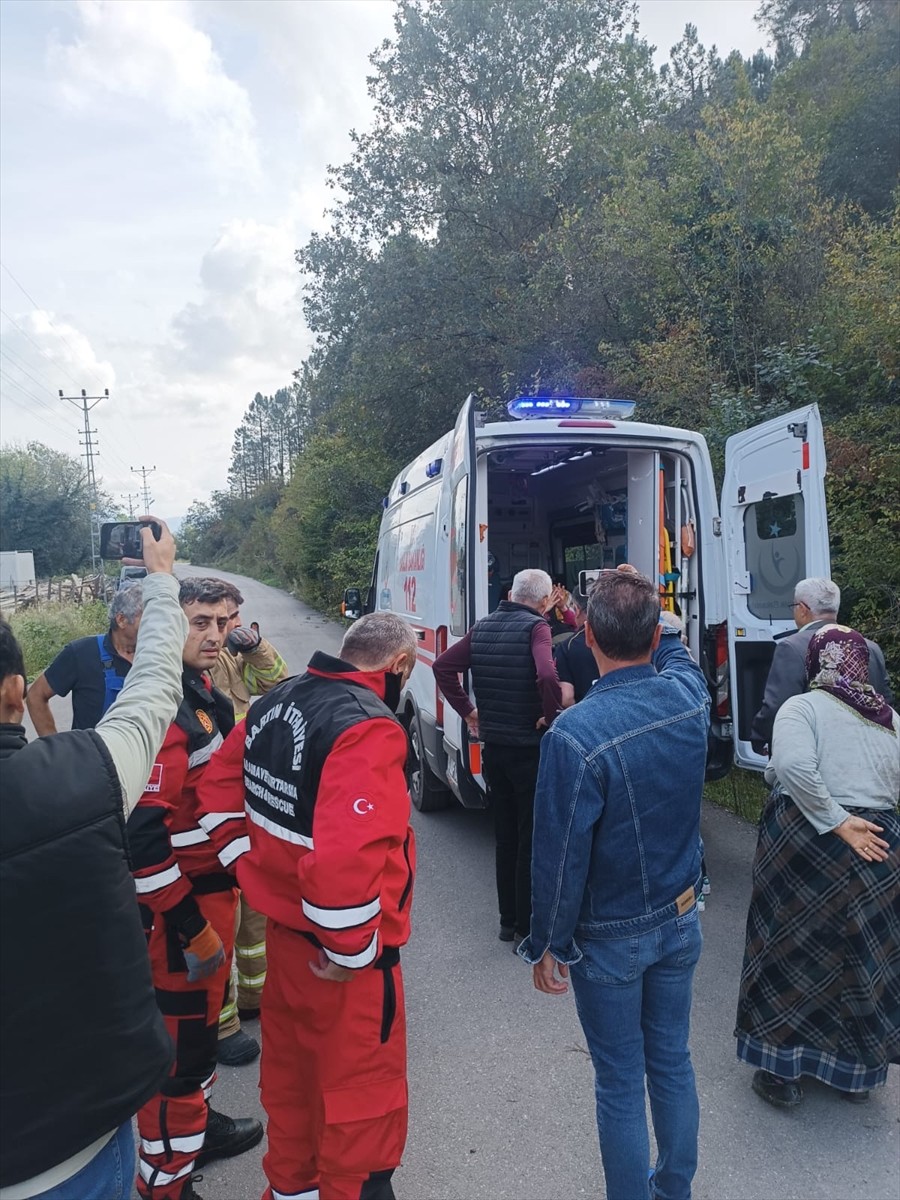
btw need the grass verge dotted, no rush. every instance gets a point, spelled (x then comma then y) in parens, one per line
(43, 631)
(741, 792)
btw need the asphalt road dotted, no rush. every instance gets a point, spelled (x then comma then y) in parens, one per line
(501, 1086)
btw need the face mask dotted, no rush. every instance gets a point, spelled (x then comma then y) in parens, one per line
(392, 687)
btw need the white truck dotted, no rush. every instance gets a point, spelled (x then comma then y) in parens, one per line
(572, 485)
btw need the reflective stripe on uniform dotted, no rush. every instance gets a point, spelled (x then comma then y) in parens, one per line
(211, 821)
(256, 951)
(251, 981)
(234, 850)
(341, 918)
(192, 1142)
(205, 753)
(309, 1194)
(354, 961)
(279, 831)
(155, 1178)
(154, 883)
(190, 837)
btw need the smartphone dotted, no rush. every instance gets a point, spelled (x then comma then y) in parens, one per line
(122, 539)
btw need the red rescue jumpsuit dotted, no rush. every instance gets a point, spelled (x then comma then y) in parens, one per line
(177, 873)
(330, 861)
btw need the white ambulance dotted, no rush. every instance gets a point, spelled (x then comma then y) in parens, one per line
(572, 485)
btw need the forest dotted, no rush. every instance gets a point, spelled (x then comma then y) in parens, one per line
(537, 208)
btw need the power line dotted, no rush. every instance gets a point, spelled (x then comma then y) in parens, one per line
(89, 447)
(47, 406)
(41, 349)
(39, 307)
(10, 382)
(117, 451)
(144, 472)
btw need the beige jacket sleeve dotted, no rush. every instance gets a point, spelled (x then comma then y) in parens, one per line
(134, 727)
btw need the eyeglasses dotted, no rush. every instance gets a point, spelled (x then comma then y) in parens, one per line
(798, 604)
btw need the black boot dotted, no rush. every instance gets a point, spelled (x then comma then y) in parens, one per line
(226, 1138)
(783, 1093)
(188, 1192)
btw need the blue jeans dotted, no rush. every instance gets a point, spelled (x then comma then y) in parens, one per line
(634, 1002)
(108, 1176)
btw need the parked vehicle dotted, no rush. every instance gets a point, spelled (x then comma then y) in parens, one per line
(572, 485)
(129, 575)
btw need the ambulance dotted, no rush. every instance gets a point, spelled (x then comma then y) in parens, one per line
(574, 485)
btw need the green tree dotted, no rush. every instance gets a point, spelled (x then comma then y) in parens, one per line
(45, 507)
(326, 526)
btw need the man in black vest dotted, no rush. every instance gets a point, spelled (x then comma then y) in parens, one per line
(517, 695)
(67, 900)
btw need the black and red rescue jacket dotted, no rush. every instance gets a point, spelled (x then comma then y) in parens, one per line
(169, 849)
(308, 799)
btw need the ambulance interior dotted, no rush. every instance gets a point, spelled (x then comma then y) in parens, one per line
(571, 508)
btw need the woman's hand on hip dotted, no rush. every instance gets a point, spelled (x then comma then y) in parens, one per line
(861, 836)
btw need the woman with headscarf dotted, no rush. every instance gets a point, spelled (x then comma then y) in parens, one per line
(820, 986)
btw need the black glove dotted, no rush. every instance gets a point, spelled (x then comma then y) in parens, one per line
(242, 640)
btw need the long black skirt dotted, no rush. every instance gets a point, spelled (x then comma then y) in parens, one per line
(820, 985)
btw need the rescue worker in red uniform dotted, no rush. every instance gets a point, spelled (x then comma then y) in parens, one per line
(310, 801)
(188, 903)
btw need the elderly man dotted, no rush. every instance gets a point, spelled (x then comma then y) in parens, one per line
(617, 876)
(816, 603)
(517, 695)
(93, 668)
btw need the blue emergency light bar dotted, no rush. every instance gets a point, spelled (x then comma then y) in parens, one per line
(527, 408)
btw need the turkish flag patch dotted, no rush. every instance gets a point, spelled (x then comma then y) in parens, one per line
(154, 783)
(363, 809)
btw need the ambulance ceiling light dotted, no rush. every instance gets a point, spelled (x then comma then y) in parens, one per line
(530, 408)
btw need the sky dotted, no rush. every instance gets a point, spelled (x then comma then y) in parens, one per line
(160, 162)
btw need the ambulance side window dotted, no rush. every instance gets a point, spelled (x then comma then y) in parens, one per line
(458, 623)
(775, 538)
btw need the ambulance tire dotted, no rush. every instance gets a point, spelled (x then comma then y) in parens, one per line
(426, 791)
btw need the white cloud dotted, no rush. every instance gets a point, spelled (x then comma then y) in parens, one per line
(151, 52)
(250, 303)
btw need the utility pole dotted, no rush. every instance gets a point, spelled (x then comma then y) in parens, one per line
(90, 449)
(144, 472)
(129, 500)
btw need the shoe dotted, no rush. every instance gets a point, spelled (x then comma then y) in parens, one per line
(188, 1192)
(705, 887)
(783, 1093)
(507, 933)
(855, 1097)
(701, 903)
(517, 940)
(226, 1138)
(237, 1049)
(248, 1014)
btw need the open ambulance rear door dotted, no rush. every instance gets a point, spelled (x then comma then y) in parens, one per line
(775, 531)
(463, 755)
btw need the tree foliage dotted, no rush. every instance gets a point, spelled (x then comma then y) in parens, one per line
(534, 207)
(45, 507)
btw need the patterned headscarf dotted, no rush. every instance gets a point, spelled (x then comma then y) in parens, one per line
(837, 662)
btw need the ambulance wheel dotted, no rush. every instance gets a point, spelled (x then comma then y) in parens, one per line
(426, 791)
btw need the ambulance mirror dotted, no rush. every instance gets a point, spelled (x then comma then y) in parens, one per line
(351, 608)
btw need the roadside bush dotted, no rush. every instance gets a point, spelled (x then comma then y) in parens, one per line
(43, 631)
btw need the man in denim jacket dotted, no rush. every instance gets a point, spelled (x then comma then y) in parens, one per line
(616, 873)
